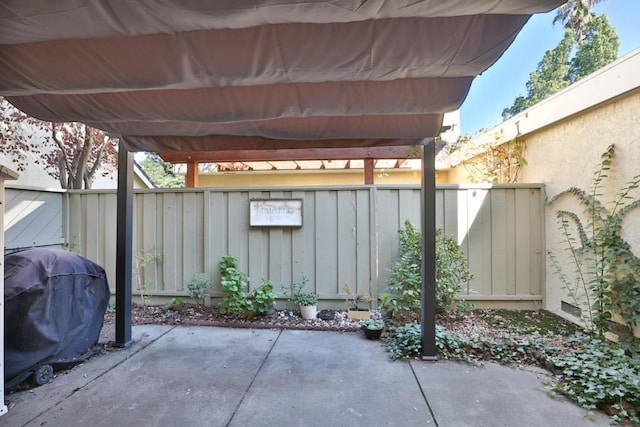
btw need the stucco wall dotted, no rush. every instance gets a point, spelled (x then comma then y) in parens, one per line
(306, 178)
(567, 153)
(456, 175)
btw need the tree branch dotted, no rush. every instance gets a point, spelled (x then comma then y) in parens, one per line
(66, 171)
(82, 157)
(96, 163)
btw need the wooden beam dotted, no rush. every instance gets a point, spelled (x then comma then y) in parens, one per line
(368, 171)
(191, 180)
(350, 153)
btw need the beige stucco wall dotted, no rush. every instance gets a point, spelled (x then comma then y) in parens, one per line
(455, 175)
(567, 153)
(306, 178)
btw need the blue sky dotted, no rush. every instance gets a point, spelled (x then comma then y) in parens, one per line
(497, 87)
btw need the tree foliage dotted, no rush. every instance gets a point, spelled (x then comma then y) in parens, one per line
(549, 77)
(598, 48)
(161, 172)
(575, 15)
(72, 153)
(568, 62)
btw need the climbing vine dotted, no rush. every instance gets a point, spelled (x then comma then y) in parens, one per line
(605, 281)
(490, 161)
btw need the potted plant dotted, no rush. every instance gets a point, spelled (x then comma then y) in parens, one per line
(306, 300)
(372, 328)
(353, 310)
(308, 303)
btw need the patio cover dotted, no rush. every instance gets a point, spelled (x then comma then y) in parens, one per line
(157, 71)
(253, 74)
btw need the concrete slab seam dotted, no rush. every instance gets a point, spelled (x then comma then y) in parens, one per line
(264, 359)
(424, 396)
(77, 389)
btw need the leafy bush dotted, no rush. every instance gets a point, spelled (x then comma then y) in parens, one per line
(234, 299)
(451, 271)
(199, 287)
(233, 282)
(404, 341)
(452, 346)
(263, 299)
(305, 298)
(402, 299)
(176, 304)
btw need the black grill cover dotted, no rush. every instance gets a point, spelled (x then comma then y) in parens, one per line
(54, 308)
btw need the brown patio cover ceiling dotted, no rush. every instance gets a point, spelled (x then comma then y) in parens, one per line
(253, 74)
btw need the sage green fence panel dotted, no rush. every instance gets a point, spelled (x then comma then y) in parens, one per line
(90, 226)
(349, 236)
(504, 243)
(32, 218)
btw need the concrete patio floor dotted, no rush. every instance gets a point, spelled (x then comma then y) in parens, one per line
(210, 376)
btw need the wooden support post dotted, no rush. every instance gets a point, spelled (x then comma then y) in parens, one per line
(368, 171)
(192, 174)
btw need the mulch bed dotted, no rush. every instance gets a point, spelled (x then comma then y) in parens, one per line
(195, 315)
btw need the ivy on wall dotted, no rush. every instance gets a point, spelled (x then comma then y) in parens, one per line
(605, 277)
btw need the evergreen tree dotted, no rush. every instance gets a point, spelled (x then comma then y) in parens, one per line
(550, 76)
(552, 73)
(161, 172)
(558, 69)
(598, 48)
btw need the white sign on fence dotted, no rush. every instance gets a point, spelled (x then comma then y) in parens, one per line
(276, 213)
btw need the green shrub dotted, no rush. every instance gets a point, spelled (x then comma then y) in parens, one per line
(404, 341)
(199, 287)
(233, 282)
(305, 298)
(451, 271)
(263, 299)
(404, 287)
(176, 304)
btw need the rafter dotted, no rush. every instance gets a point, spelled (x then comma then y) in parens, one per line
(399, 152)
